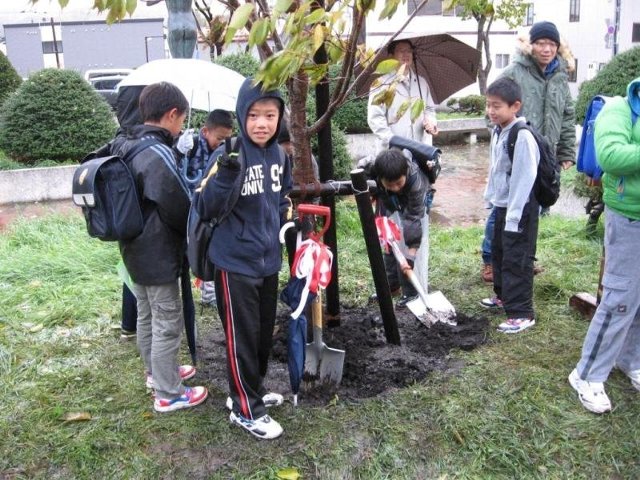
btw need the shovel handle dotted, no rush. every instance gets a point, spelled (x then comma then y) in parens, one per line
(316, 312)
(320, 210)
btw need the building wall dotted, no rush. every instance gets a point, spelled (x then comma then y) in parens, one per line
(24, 48)
(85, 45)
(125, 44)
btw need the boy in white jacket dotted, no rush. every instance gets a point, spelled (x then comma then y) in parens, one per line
(509, 190)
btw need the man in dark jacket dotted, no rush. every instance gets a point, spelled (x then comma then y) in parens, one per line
(247, 195)
(154, 259)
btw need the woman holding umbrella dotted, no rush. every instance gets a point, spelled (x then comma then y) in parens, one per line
(385, 122)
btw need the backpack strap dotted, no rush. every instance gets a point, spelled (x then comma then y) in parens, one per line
(139, 147)
(513, 137)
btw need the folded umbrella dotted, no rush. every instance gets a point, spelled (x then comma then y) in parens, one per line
(297, 333)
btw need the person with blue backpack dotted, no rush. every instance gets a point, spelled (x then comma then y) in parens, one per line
(613, 337)
(542, 70)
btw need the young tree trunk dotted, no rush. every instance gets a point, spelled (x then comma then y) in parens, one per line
(298, 88)
(482, 44)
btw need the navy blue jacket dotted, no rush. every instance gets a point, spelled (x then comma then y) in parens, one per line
(252, 201)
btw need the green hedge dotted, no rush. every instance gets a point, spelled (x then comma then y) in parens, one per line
(54, 115)
(9, 78)
(611, 80)
(243, 63)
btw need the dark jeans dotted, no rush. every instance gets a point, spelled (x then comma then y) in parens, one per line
(488, 237)
(513, 254)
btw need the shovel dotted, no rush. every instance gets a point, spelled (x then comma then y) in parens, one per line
(322, 362)
(428, 308)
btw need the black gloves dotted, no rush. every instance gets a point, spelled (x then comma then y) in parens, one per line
(229, 161)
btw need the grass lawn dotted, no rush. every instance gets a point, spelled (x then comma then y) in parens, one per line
(503, 410)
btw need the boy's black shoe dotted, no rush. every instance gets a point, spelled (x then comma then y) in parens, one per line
(404, 299)
(127, 334)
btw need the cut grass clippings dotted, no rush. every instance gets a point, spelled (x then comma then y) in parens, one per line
(503, 410)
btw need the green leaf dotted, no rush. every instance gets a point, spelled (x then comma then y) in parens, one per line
(282, 6)
(229, 34)
(63, 3)
(402, 109)
(416, 109)
(241, 16)
(288, 474)
(389, 9)
(100, 5)
(318, 37)
(259, 32)
(131, 6)
(315, 16)
(387, 66)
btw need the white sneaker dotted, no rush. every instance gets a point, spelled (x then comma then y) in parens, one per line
(270, 399)
(516, 325)
(264, 427)
(634, 376)
(591, 394)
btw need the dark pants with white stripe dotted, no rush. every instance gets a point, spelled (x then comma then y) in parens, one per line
(247, 308)
(614, 333)
(512, 256)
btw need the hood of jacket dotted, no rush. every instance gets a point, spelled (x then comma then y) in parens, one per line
(524, 54)
(633, 95)
(249, 94)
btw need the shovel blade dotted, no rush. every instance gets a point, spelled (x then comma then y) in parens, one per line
(437, 309)
(325, 364)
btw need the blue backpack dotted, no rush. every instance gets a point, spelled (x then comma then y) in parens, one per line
(587, 161)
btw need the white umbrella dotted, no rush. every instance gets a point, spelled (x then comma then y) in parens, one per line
(206, 85)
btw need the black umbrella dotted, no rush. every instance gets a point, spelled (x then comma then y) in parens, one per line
(297, 333)
(446, 63)
(189, 312)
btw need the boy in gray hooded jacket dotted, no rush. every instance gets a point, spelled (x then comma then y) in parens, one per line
(509, 191)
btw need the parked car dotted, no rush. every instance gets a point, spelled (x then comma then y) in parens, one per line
(107, 87)
(106, 72)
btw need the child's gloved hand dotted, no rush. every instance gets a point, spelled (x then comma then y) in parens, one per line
(229, 161)
(185, 141)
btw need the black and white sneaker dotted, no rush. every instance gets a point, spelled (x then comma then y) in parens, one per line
(264, 427)
(270, 399)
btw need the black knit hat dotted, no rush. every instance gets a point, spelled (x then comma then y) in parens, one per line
(544, 30)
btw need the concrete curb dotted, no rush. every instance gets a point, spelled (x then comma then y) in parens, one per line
(36, 184)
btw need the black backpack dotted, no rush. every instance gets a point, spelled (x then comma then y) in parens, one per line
(105, 189)
(199, 232)
(547, 185)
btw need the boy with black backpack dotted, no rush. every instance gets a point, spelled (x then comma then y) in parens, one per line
(510, 191)
(154, 258)
(245, 195)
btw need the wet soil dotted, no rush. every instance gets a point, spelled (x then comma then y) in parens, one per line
(372, 366)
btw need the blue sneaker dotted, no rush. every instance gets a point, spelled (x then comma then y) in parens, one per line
(191, 397)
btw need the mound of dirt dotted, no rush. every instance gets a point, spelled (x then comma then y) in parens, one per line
(371, 366)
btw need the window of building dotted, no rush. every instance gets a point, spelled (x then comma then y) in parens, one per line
(528, 17)
(573, 76)
(433, 7)
(574, 10)
(48, 47)
(635, 33)
(502, 60)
